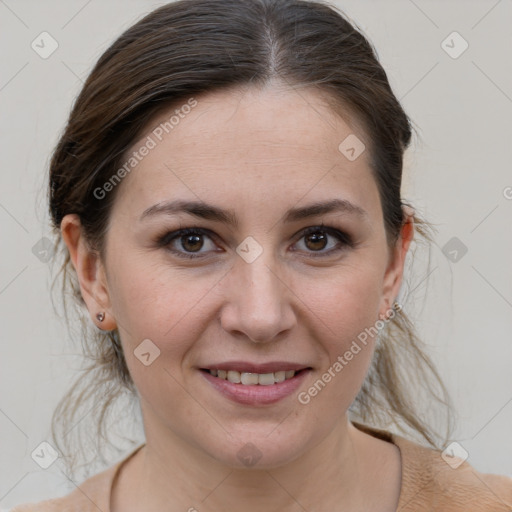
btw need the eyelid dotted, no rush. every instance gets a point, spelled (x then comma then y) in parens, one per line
(344, 239)
(331, 230)
(170, 236)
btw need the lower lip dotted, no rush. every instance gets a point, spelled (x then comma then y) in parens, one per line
(256, 394)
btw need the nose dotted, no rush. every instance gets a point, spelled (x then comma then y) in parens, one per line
(259, 302)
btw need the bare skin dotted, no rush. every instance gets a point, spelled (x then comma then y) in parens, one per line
(259, 154)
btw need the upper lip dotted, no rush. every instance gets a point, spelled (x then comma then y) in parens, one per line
(246, 367)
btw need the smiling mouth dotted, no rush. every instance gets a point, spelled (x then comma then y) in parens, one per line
(254, 379)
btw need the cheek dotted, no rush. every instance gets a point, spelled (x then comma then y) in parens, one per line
(159, 312)
(345, 300)
(171, 306)
(345, 309)
(165, 305)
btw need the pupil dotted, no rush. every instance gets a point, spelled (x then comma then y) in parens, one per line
(317, 238)
(196, 242)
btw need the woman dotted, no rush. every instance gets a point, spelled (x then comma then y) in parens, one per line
(228, 193)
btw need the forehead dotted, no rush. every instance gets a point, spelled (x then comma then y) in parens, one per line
(250, 144)
(239, 118)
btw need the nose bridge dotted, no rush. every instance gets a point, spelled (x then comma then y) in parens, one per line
(258, 302)
(263, 285)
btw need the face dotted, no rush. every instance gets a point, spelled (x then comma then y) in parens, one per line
(261, 283)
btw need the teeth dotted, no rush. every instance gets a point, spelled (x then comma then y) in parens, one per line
(266, 379)
(249, 379)
(234, 377)
(280, 376)
(252, 379)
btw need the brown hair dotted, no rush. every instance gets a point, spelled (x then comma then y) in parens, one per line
(190, 47)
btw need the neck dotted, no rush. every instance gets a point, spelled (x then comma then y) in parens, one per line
(172, 475)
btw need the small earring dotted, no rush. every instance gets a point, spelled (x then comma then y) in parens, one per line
(100, 317)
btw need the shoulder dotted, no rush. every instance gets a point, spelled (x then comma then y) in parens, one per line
(92, 495)
(431, 482)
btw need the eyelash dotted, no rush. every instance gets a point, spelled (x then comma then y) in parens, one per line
(344, 239)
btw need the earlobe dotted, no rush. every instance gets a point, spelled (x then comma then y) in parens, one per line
(394, 272)
(90, 272)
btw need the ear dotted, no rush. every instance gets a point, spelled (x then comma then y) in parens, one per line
(90, 272)
(394, 272)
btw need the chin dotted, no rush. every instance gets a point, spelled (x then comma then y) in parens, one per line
(259, 450)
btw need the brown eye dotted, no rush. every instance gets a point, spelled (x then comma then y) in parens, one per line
(316, 241)
(188, 242)
(318, 238)
(191, 243)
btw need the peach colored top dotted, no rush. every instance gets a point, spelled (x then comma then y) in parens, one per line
(428, 484)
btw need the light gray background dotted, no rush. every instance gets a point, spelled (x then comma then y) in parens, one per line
(457, 177)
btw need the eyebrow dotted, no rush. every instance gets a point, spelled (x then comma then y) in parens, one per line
(210, 212)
